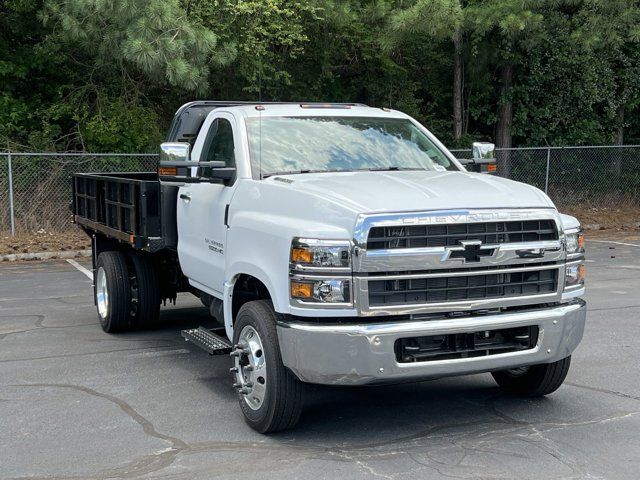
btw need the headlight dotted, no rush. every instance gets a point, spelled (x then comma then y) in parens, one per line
(321, 291)
(310, 254)
(320, 272)
(575, 242)
(574, 274)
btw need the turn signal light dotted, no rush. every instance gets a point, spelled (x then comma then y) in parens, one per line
(301, 255)
(167, 171)
(301, 290)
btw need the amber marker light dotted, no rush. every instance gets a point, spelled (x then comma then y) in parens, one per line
(301, 255)
(167, 171)
(301, 290)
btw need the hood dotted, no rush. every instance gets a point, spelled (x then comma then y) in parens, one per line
(401, 191)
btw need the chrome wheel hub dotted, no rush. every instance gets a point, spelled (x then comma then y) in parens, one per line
(250, 367)
(102, 294)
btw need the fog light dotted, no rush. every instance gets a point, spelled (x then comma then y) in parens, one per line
(301, 290)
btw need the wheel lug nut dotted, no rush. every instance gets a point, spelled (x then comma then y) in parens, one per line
(233, 369)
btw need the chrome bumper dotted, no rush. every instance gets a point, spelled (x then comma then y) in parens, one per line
(340, 354)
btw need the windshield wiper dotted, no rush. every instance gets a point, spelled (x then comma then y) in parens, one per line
(374, 169)
(391, 169)
(295, 172)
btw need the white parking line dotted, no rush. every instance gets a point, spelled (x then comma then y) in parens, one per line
(617, 243)
(79, 267)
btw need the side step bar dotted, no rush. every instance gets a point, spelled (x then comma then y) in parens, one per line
(207, 340)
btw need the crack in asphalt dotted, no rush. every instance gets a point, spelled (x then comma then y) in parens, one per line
(147, 464)
(38, 325)
(604, 390)
(42, 298)
(68, 355)
(360, 455)
(604, 309)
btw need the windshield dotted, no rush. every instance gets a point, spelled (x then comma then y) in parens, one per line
(280, 145)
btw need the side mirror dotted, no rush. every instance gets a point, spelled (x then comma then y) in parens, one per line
(175, 152)
(483, 150)
(484, 157)
(172, 156)
(176, 166)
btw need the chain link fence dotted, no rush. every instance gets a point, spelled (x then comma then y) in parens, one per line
(35, 188)
(574, 177)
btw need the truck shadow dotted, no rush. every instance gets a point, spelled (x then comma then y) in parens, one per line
(378, 415)
(361, 417)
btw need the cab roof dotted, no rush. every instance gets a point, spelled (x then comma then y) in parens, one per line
(189, 118)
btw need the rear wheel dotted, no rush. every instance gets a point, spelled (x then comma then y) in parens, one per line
(145, 291)
(113, 292)
(534, 381)
(270, 396)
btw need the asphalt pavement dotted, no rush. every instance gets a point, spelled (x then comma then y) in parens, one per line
(78, 403)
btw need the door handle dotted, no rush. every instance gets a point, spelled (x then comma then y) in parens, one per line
(186, 197)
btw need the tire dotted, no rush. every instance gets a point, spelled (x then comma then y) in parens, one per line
(281, 404)
(534, 381)
(145, 288)
(112, 281)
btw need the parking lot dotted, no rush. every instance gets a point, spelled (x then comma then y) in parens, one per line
(78, 403)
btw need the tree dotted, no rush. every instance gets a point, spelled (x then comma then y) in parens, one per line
(268, 36)
(500, 25)
(611, 30)
(154, 38)
(441, 21)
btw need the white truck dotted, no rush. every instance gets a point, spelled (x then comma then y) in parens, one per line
(337, 244)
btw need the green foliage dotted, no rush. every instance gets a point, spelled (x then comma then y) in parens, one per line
(106, 75)
(154, 37)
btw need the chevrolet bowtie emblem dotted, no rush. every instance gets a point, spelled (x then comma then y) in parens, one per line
(470, 251)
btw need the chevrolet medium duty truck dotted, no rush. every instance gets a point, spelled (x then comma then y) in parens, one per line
(337, 244)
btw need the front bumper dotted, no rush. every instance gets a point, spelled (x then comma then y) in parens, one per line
(347, 354)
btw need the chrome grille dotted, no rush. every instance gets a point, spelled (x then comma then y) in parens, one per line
(420, 236)
(471, 285)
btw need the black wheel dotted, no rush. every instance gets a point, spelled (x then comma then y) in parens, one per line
(113, 292)
(270, 396)
(534, 381)
(145, 291)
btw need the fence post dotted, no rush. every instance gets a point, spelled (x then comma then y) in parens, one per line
(546, 177)
(11, 213)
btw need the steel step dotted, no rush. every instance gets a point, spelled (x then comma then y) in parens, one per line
(207, 340)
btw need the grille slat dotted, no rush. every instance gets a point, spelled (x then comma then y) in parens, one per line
(451, 234)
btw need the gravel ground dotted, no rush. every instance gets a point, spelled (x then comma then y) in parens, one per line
(76, 403)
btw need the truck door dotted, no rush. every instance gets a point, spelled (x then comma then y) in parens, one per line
(202, 209)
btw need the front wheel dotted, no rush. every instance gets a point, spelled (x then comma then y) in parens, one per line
(534, 381)
(270, 396)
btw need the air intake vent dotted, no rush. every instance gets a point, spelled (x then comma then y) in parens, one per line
(418, 236)
(462, 288)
